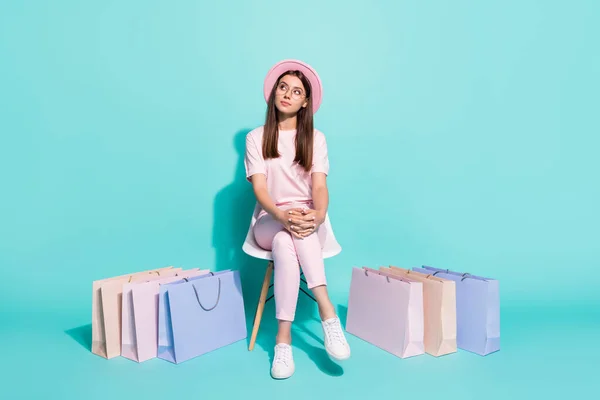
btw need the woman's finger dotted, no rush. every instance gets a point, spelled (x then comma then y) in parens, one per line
(302, 227)
(294, 232)
(310, 229)
(309, 217)
(298, 222)
(307, 233)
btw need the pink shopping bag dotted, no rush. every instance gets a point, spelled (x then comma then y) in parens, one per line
(386, 311)
(439, 305)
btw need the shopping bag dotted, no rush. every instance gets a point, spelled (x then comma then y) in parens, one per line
(106, 310)
(139, 317)
(439, 306)
(165, 331)
(199, 315)
(477, 310)
(386, 311)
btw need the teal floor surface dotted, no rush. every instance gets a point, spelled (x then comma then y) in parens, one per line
(546, 353)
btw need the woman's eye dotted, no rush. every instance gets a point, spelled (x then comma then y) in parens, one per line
(297, 92)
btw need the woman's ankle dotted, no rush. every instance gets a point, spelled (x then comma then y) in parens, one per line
(284, 332)
(327, 312)
(287, 339)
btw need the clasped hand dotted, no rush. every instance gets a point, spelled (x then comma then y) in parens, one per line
(301, 222)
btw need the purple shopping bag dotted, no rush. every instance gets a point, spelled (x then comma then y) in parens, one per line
(200, 315)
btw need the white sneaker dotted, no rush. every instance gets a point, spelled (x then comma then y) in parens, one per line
(283, 362)
(335, 341)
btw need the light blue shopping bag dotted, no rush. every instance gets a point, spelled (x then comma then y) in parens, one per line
(477, 310)
(165, 332)
(199, 315)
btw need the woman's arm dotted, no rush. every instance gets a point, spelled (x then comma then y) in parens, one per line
(312, 218)
(320, 196)
(259, 185)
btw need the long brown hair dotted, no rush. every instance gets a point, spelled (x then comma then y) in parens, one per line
(304, 129)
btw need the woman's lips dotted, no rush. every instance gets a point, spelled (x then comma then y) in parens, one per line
(285, 104)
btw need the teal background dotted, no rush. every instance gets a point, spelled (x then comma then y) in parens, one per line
(462, 134)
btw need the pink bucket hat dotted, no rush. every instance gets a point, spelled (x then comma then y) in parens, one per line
(291, 65)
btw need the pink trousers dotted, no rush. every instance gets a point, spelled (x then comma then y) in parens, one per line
(289, 255)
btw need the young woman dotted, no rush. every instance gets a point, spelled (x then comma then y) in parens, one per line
(286, 162)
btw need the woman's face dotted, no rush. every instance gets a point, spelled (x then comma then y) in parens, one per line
(290, 95)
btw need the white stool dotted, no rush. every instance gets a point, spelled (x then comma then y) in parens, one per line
(330, 248)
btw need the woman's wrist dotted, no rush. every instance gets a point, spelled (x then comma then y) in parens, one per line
(279, 215)
(321, 214)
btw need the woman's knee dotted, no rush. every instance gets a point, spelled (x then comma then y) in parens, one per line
(263, 241)
(264, 231)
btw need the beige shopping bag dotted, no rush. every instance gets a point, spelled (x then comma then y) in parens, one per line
(106, 309)
(439, 305)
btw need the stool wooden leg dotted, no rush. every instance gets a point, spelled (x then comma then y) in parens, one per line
(261, 304)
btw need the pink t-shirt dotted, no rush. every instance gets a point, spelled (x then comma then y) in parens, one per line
(286, 180)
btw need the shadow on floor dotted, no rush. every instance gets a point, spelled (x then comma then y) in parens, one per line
(82, 335)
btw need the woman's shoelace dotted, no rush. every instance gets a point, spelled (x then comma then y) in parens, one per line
(334, 332)
(283, 355)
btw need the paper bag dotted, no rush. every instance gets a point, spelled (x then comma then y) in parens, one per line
(200, 315)
(140, 315)
(106, 310)
(477, 310)
(386, 311)
(439, 306)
